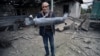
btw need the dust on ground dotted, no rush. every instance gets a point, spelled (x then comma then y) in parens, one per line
(28, 42)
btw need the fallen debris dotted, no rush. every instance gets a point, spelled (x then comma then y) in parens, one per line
(64, 26)
(87, 40)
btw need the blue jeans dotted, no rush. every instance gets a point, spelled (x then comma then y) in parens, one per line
(48, 36)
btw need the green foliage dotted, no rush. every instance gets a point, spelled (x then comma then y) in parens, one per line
(83, 11)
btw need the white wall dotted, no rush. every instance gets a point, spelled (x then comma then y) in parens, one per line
(75, 10)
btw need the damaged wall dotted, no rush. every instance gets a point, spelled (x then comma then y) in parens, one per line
(58, 10)
(75, 10)
(7, 10)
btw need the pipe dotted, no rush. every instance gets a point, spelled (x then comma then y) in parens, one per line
(52, 5)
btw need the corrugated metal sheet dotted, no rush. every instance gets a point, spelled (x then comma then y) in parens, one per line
(95, 14)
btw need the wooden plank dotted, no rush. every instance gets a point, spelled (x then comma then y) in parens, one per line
(85, 25)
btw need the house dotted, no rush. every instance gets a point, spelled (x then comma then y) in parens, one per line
(73, 7)
(18, 8)
(26, 7)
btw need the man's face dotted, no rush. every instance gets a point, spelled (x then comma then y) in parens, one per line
(45, 8)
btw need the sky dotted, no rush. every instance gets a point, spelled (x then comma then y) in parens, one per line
(85, 6)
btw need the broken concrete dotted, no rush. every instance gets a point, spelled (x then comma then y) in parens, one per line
(27, 42)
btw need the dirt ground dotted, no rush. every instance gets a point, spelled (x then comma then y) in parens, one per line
(27, 42)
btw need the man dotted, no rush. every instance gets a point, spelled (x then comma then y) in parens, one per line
(48, 31)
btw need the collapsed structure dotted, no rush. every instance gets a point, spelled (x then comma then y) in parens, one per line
(20, 9)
